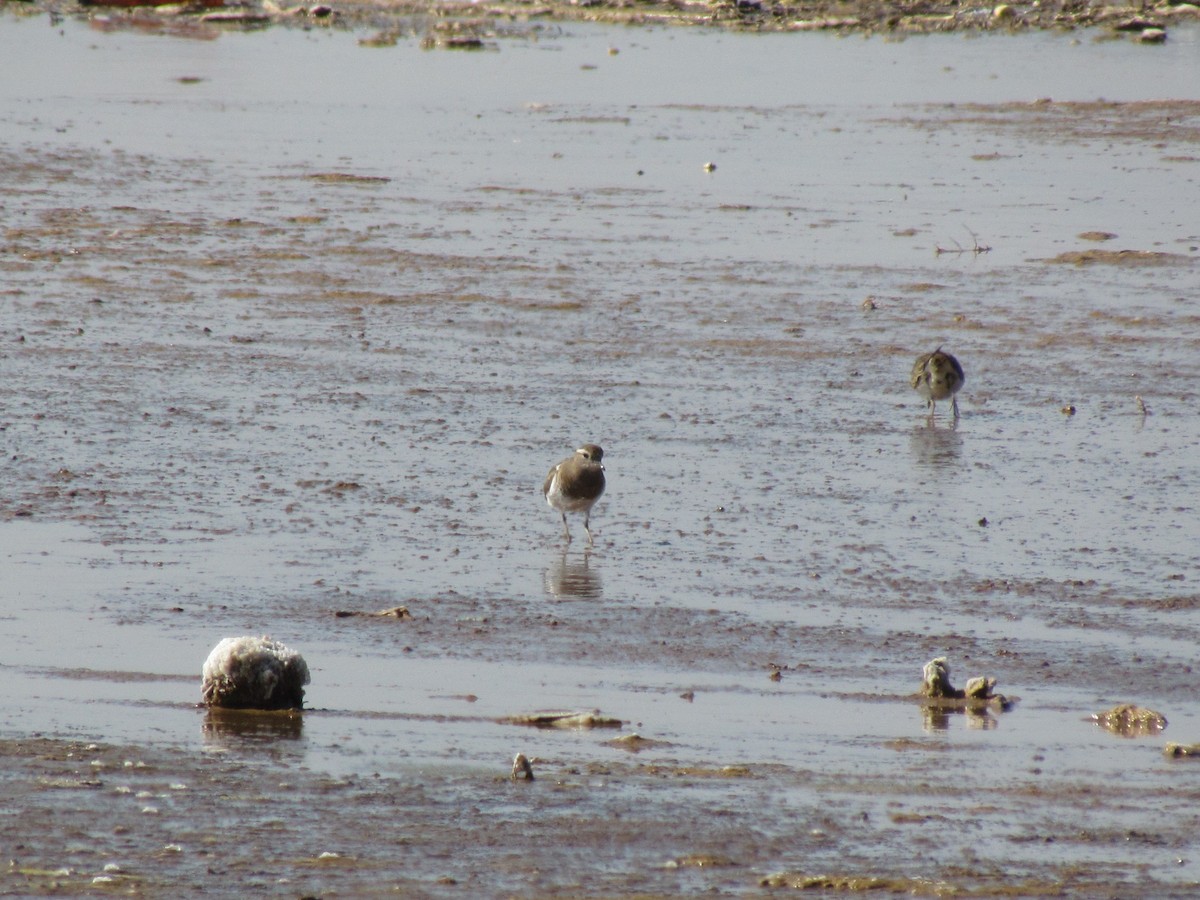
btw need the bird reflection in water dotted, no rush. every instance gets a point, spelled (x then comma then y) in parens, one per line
(573, 576)
(222, 726)
(936, 447)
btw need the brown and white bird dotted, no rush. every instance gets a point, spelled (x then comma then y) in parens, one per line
(938, 376)
(575, 484)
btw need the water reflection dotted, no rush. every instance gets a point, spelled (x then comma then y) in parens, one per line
(936, 446)
(937, 718)
(226, 727)
(567, 577)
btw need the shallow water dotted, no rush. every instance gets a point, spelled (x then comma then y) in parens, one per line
(302, 333)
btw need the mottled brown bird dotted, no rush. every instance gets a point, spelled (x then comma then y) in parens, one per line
(938, 376)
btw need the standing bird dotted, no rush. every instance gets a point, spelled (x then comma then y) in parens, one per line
(936, 376)
(575, 484)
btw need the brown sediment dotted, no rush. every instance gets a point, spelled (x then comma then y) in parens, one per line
(915, 887)
(1058, 121)
(158, 817)
(1121, 258)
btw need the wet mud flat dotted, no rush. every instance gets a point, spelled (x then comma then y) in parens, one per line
(457, 25)
(281, 353)
(154, 820)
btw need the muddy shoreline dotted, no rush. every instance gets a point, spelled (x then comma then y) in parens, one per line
(155, 821)
(451, 24)
(282, 352)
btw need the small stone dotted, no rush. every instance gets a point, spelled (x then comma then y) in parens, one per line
(1181, 751)
(979, 688)
(1129, 720)
(935, 678)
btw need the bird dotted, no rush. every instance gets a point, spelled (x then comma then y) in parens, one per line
(254, 673)
(936, 376)
(575, 484)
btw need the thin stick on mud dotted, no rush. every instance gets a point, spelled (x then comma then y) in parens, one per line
(975, 248)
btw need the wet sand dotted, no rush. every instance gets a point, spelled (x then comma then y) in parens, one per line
(279, 345)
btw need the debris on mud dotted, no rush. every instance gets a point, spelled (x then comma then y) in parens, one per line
(858, 883)
(978, 691)
(1129, 720)
(1147, 25)
(560, 719)
(346, 178)
(254, 673)
(1181, 751)
(206, 4)
(702, 861)
(702, 772)
(242, 17)
(453, 42)
(635, 743)
(396, 612)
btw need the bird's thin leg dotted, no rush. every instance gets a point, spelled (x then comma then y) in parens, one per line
(566, 528)
(586, 519)
(954, 406)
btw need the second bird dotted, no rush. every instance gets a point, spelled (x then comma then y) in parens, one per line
(938, 376)
(575, 484)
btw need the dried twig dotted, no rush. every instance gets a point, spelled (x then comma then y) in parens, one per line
(975, 248)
